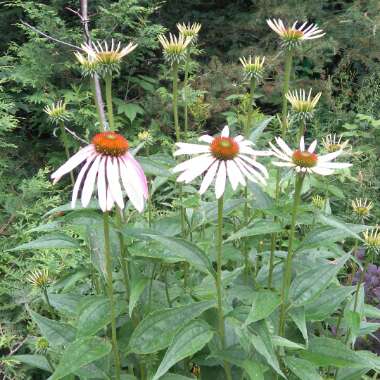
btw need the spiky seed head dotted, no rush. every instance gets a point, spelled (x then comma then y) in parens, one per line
(174, 48)
(190, 30)
(372, 239)
(145, 136)
(57, 112)
(362, 207)
(332, 143)
(42, 345)
(39, 278)
(318, 202)
(87, 62)
(303, 106)
(253, 67)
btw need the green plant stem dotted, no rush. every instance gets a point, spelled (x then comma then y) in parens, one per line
(97, 105)
(287, 274)
(252, 87)
(49, 362)
(108, 257)
(271, 259)
(245, 243)
(285, 89)
(66, 146)
(185, 83)
(46, 296)
(219, 286)
(167, 287)
(151, 286)
(175, 102)
(108, 81)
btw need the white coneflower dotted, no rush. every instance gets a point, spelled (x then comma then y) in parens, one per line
(57, 112)
(362, 207)
(332, 143)
(190, 30)
(253, 68)
(372, 238)
(39, 278)
(303, 106)
(305, 160)
(220, 158)
(108, 56)
(88, 63)
(292, 36)
(174, 47)
(108, 162)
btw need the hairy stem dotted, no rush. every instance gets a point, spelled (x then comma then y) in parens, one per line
(108, 257)
(252, 87)
(287, 274)
(185, 83)
(285, 89)
(175, 101)
(108, 81)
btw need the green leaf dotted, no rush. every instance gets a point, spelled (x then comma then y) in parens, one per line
(137, 287)
(261, 227)
(283, 342)
(327, 302)
(253, 369)
(351, 373)
(35, 361)
(154, 167)
(156, 331)
(50, 241)
(258, 129)
(371, 311)
(67, 208)
(131, 110)
(350, 229)
(303, 369)
(326, 351)
(261, 200)
(298, 316)
(264, 302)
(174, 376)
(56, 333)
(96, 315)
(66, 302)
(309, 284)
(352, 321)
(186, 250)
(189, 340)
(80, 353)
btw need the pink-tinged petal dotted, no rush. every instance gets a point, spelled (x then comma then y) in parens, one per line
(256, 164)
(312, 146)
(246, 150)
(253, 171)
(131, 183)
(140, 170)
(231, 174)
(195, 171)
(112, 170)
(220, 181)
(322, 171)
(225, 131)
(192, 162)
(185, 148)
(244, 171)
(302, 144)
(284, 146)
(110, 200)
(283, 164)
(102, 185)
(79, 180)
(206, 138)
(330, 156)
(89, 182)
(73, 162)
(209, 176)
(334, 165)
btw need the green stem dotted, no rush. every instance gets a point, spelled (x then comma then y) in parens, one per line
(108, 258)
(218, 280)
(185, 83)
(151, 286)
(66, 146)
(245, 243)
(49, 362)
(287, 274)
(271, 259)
(175, 101)
(167, 287)
(108, 80)
(149, 204)
(99, 112)
(123, 253)
(285, 89)
(252, 87)
(46, 296)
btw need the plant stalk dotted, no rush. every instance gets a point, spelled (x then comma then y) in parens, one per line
(285, 89)
(252, 87)
(175, 101)
(185, 83)
(108, 257)
(108, 82)
(287, 274)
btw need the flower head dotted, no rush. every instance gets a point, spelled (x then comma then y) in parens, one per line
(318, 202)
(88, 64)
(372, 239)
(362, 207)
(107, 161)
(292, 36)
(332, 143)
(145, 136)
(305, 160)
(220, 158)
(57, 112)
(108, 57)
(39, 278)
(253, 68)
(174, 47)
(303, 106)
(42, 345)
(190, 30)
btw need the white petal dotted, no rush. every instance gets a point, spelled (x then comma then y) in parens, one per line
(185, 148)
(73, 162)
(220, 181)
(256, 164)
(102, 185)
(244, 171)
(206, 138)
(312, 146)
(278, 153)
(240, 139)
(237, 172)
(140, 171)
(88, 187)
(334, 165)
(225, 131)
(208, 178)
(302, 144)
(322, 171)
(195, 171)
(284, 146)
(193, 162)
(231, 173)
(110, 200)
(112, 171)
(330, 156)
(283, 164)
(253, 171)
(78, 182)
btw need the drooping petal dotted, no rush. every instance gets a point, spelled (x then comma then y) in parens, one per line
(244, 171)
(231, 174)
(256, 164)
(88, 187)
(195, 171)
(102, 185)
(321, 171)
(110, 200)
(236, 171)
(283, 164)
(112, 170)
(79, 180)
(73, 162)
(185, 148)
(330, 156)
(192, 162)
(334, 165)
(140, 170)
(209, 176)
(220, 181)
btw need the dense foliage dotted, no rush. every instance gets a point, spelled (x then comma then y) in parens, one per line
(54, 279)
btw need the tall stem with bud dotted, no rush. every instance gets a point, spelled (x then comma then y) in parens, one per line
(175, 100)
(108, 82)
(185, 83)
